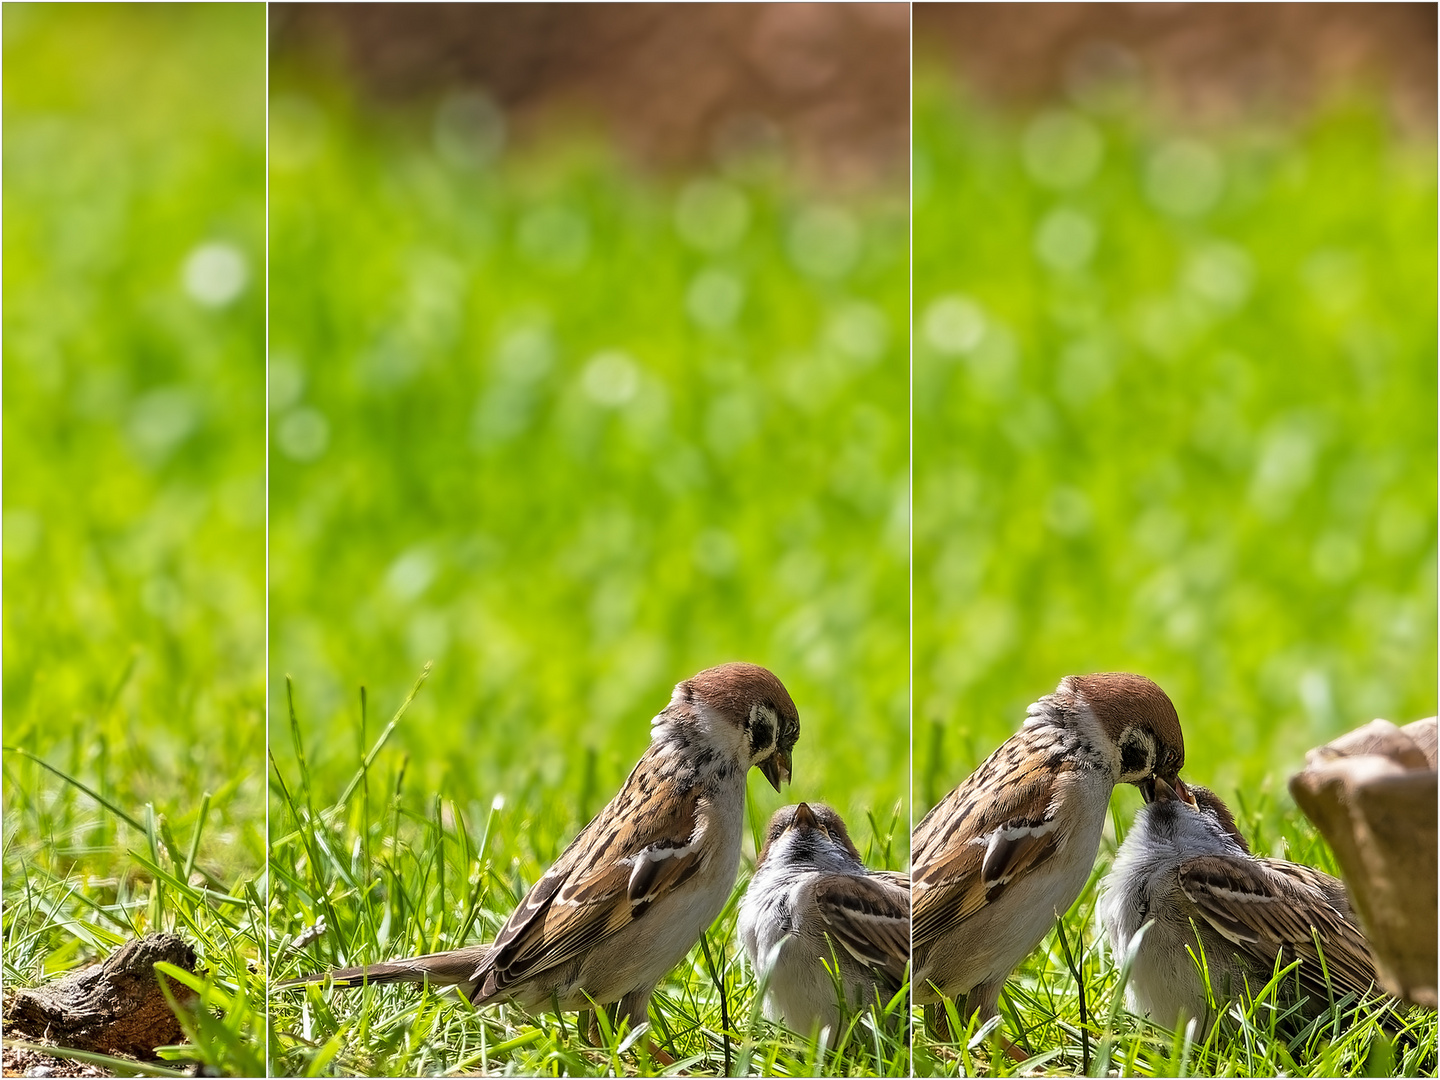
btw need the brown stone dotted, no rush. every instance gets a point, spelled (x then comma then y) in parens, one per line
(1372, 794)
(113, 1007)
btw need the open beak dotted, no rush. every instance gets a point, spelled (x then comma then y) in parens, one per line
(1158, 789)
(804, 817)
(777, 769)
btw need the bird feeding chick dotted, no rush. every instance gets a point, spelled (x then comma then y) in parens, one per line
(1186, 871)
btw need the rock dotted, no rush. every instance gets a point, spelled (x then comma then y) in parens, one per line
(113, 1007)
(1372, 794)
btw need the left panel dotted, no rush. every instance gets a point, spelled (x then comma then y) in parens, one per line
(134, 524)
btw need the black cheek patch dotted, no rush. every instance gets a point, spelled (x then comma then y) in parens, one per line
(762, 735)
(1135, 756)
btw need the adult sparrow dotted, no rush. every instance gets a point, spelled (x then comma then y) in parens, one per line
(813, 903)
(1008, 851)
(1185, 869)
(644, 879)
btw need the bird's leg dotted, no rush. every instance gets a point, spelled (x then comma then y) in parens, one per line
(1013, 1052)
(986, 1001)
(635, 1006)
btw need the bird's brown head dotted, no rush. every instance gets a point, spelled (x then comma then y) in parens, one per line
(1140, 719)
(805, 818)
(757, 703)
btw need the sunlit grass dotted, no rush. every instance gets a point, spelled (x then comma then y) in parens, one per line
(572, 434)
(1174, 413)
(134, 493)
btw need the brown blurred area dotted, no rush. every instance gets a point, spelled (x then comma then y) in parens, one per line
(823, 86)
(1207, 63)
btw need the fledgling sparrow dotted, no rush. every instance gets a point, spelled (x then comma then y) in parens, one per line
(1185, 869)
(814, 899)
(1008, 851)
(633, 892)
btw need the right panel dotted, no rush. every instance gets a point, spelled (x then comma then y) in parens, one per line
(1174, 422)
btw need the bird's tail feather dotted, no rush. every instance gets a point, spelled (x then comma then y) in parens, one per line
(459, 967)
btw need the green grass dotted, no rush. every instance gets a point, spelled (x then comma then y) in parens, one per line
(571, 434)
(1174, 413)
(134, 494)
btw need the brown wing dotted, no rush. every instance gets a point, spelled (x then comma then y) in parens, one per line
(1269, 908)
(870, 918)
(634, 851)
(996, 825)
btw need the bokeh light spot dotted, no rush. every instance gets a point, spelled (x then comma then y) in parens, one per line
(215, 274)
(410, 574)
(611, 378)
(162, 419)
(953, 325)
(1222, 274)
(1065, 239)
(825, 242)
(303, 435)
(22, 530)
(1185, 178)
(714, 299)
(1062, 149)
(287, 382)
(711, 215)
(859, 331)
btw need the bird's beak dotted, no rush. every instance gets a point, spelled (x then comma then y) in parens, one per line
(1158, 789)
(804, 816)
(777, 769)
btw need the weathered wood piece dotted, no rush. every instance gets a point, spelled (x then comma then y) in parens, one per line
(113, 1007)
(1372, 794)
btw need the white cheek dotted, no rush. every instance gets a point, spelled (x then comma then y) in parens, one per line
(723, 734)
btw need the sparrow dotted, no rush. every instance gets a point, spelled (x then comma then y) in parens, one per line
(1006, 853)
(813, 903)
(1186, 870)
(633, 892)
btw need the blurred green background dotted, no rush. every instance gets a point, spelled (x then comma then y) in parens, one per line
(1174, 413)
(134, 504)
(574, 433)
